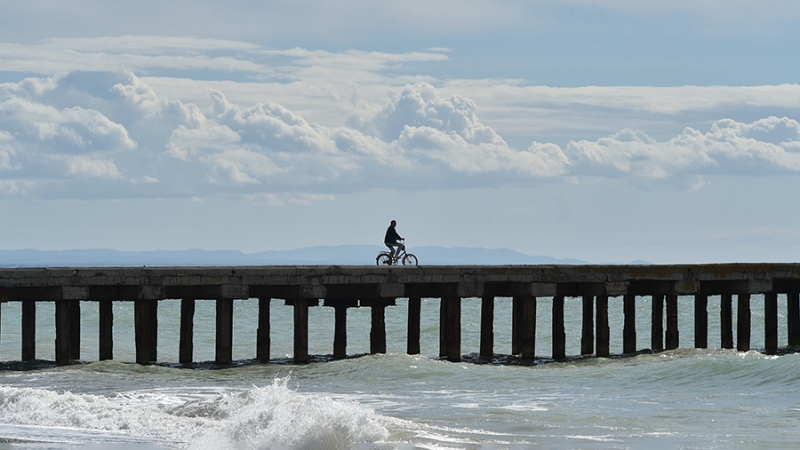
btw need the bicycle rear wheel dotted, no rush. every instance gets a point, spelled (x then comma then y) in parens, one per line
(383, 259)
(409, 260)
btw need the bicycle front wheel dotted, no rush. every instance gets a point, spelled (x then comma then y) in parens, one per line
(409, 260)
(383, 259)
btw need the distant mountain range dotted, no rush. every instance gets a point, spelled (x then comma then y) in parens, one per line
(322, 255)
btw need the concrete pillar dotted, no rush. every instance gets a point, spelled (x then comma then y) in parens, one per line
(793, 318)
(106, 332)
(629, 328)
(340, 332)
(141, 312)
(516, 325)
(743, 323)
(701, 321)
(263, 330)
(377, 333)
(300, 331)
(601, 316)
(75, 329)
(559, 336)
(657, 329)
(28, 330)
(771, 322)
(63, 331)
(443, 327)
(153, 339)
(414, 308)
(528, 327)
(726, 320)
(487, 327)
(224, 347)
(186, 349)
(451, 328)
(587, 331)
(672, 322)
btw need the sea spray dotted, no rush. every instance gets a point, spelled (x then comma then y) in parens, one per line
(276, 416)
(272, 416)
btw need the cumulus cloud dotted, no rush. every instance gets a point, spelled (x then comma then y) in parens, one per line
(429, 127)
(766, 146)
(109, 134)
(56, 133)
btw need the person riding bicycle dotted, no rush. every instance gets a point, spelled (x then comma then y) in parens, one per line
(393, 240)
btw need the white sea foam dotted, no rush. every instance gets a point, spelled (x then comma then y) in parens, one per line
(272, 416)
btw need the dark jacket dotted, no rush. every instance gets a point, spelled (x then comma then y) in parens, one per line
(391, 236)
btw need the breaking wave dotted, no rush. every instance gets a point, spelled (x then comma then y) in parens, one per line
(273, 416)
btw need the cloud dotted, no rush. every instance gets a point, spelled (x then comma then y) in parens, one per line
(93, 167)
(327, 87)
(136, 53)
(109, 134)
(429, 127)
(155, 55)
(516, 108)
(766, 146)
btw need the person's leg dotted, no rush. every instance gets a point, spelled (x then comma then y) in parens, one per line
(401, 248)
(391, 250)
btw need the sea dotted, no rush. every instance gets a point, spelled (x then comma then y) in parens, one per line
(685, 398)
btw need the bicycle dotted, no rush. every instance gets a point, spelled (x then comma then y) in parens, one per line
(408, 259)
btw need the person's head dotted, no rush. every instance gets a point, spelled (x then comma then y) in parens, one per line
(394, 223)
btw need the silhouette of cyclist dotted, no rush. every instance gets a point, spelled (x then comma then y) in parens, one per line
(392, 240)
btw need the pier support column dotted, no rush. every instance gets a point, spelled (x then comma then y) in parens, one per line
(528, 327)
(657, 329)
(75, 329)
(63, 331)
(443, 326)
(451, 328)
(701, 321)
(793, 318)
(771, 322)
(224, 347)
(672, 337)
(300, 331)
(726, 320)
(377, 332)
(153, 339)
(414, 308)
(141, 312)
(601, 316)
(629, 329)
(106, 332)
(559, 336)
(516, 325)
(587, 331)
(28, 330)
(743, 323)
(487, 327)
(263, 331)
(186, 349)
(340, 333)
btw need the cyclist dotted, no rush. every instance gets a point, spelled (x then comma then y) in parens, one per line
(393, 240)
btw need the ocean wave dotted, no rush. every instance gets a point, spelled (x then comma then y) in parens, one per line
(272, 416)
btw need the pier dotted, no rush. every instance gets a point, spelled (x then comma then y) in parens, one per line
(344, 287)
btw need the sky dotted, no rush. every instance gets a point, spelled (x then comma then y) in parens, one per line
(614, 131)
